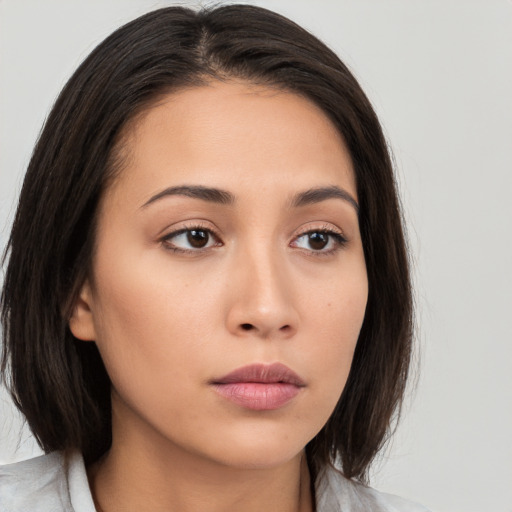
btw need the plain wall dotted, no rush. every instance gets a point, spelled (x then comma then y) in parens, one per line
(439, 73)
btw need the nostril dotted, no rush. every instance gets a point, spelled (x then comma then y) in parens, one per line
(285, 328)
(247, 327)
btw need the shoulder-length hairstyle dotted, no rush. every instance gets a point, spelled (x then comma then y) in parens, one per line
(58, 382)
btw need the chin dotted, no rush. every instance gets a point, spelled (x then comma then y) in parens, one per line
(258, 459)
(263, 451)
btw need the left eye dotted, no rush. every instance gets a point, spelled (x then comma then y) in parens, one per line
(319, 241)
(190, 239)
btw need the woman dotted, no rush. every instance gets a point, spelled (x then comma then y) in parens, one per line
(207, 303)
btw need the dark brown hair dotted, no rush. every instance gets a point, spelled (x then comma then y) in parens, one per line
(60, 383)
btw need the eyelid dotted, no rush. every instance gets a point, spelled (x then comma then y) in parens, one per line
(328, 228)
(325, 227)
(185, 224)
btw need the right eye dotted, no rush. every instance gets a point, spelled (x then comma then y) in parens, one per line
(192, 239)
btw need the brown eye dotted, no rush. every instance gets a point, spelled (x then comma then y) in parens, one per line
(318, 241)
(198, 238)
(192, 239)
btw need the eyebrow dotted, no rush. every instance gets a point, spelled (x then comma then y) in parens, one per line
(317, 195)
(218, 196)
(212, 195)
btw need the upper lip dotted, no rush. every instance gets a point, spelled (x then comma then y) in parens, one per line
(262, 373)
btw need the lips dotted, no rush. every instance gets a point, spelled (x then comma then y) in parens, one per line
(259, 386)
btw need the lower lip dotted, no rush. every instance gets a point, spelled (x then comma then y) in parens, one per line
(258, 396)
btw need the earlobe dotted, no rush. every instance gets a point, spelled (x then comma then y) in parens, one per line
(81, 322)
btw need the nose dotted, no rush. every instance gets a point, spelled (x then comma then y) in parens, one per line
(262, 298)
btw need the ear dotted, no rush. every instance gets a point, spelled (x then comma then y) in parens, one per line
(81, 322)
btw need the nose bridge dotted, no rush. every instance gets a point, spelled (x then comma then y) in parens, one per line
(263, 302)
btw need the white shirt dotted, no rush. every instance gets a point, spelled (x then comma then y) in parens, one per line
(54, 483)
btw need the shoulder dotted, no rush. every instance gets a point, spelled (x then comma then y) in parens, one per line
(336, 493)
(39, 485)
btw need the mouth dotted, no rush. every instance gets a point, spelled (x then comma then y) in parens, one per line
(259, 386)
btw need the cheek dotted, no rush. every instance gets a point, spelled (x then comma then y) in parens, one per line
(338, 314)
(337, 308)
(147, 320)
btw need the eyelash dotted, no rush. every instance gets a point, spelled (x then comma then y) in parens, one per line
(337, 236)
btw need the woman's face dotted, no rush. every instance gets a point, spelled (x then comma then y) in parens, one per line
(230, 239)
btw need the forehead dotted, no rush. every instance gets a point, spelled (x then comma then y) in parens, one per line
(229, 134)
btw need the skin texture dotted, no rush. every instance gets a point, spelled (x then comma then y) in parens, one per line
(169, 318)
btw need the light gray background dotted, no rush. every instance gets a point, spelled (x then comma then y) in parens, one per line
(440, 76)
